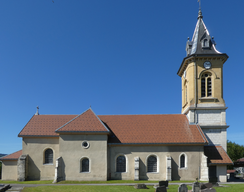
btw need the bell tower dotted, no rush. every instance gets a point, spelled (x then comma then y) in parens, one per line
(201, 73)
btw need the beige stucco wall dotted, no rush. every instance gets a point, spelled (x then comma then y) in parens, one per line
(222, 173)
(72, 152)
(35, 148)
(191, 172)
(189, 81)
(9, 170)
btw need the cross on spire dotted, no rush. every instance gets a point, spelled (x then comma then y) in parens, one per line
(37, 110)
(200, 11)
(199, 1)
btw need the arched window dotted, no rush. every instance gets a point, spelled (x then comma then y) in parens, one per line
(152, 164)
(84, 165)
(121, 164)
(186, 94)
(205, 43)
(182, 161)
(206, 85)
(48, 158)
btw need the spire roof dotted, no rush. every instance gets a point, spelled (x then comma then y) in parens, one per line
(201, 42)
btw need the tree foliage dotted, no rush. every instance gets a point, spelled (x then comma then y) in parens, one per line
(235, 151)
(0, 170)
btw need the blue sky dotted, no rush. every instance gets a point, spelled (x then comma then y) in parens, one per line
(119, 56)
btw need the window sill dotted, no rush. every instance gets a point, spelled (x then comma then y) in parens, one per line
(182, 168)
(208, 99)
(85, 172)
(185, 104)
(153, 172)
(48, 164)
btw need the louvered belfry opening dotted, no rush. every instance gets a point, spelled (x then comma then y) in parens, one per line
(206, 88)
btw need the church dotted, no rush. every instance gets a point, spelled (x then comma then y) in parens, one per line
(91, 147)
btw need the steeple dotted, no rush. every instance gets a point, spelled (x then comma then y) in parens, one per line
(201, 73)
(201, 42)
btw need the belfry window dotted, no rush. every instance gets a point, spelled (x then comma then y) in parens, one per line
(206, 85)
(48, 159)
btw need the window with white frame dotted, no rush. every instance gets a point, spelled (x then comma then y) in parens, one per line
(84, 165)
(183, 161)
(152, 164)
(121, 164)
(48, 156)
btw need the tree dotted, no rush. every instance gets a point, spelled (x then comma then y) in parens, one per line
(235, 151)
(0, 170)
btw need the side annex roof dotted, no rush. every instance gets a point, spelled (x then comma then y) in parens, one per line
(83, 123)
(13, 156)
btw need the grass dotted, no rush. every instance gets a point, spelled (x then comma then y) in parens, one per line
(83, 188)
(26, 182)
(172, 188)
(86, 182)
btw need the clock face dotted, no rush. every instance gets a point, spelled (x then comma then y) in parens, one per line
(207, 64)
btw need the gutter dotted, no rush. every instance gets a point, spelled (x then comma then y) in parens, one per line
(157, 143)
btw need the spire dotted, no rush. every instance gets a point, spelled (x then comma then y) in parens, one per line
(201, 42)
(37, 111)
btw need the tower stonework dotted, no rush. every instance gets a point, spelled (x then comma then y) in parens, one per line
(201, 74)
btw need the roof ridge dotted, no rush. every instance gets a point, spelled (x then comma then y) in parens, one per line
(200, 130)
(139, 114)
(57, 130)
(99, 120)
(69, 121)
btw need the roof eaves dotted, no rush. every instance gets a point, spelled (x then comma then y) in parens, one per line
(38, 136)
(200, 55)
(220, 164)
(187, 143)
(9, 159)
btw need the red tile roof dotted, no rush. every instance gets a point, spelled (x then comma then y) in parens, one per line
(240, 160)
(13, 156)
(45, 125)
(127, 129)
(217, 155)
(167, 129)
(85, 122)
(231, 171)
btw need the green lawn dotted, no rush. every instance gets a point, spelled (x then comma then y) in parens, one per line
(93, 189)
(172, 188)
(84, 182)
(26, 182)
